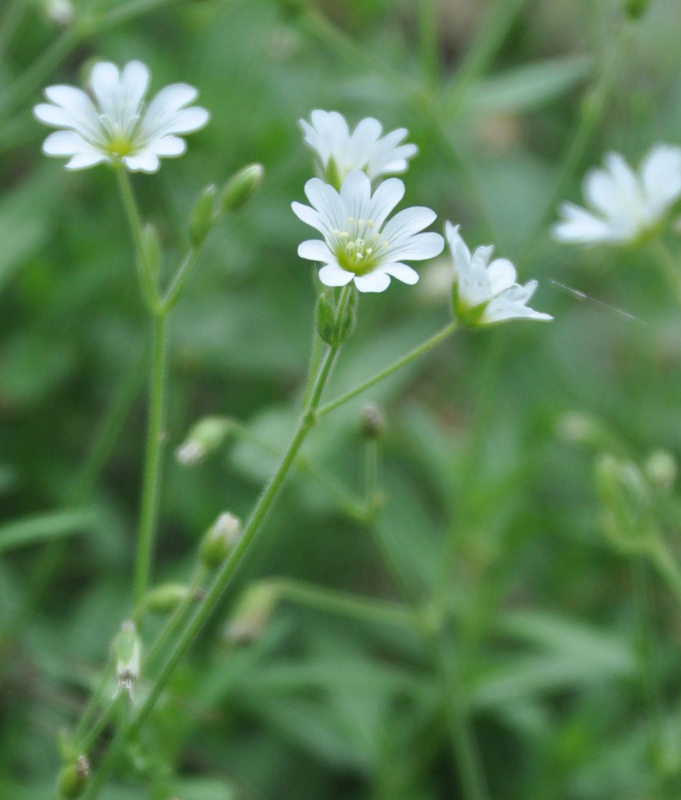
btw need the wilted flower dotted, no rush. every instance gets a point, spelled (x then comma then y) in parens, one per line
(624, 205)
(484, 292)
(118, 126)
(357, 246)
(340, 152)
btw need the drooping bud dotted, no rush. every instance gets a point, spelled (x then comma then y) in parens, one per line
(203, 438)
(152, 249)
(252, 612)
(128, 653)
(241, 187)
(165, 598)
(73, 779)
(661, 469)
(627, 507)
(373, 421)
(219, 540)
(203, 216)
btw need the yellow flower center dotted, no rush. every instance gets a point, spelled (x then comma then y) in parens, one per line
(359, 247)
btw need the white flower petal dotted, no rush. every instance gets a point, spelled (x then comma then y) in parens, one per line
(372, 282)
(460, 251)
(355, 194)
(403, 272)
(327, 202)
(333, 275)
(53, 115)
(418, 247)
(315, 250)
(65, 143)
(309, 216)
(169, 146)
(407, 222)
(580, 226)
(142, 162)
(188, 120)
(661, 177)
(85, 160)
(502, 275)
(385, 198)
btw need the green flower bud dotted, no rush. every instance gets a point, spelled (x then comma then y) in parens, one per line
(373, 421)
(203, 216)
(661, 469)
(636, 8)
(128, 653)
(252, 613)
(241, 187)
(203, 438)
(219, 540)
(73, 779)
(627, 504)
(334, 325)
(165, 598)
(152, 249)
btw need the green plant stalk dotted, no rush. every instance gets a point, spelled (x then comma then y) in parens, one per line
(345, 604)
(224, 575)
(9, 22)
(428, 42)
(174, 291)
(669, 266)
(151, 484)
(667, 566)
(447, 331)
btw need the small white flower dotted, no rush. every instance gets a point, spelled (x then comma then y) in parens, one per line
(357, 245)
(119, 126)
(625, 205)
(340, 152)
(484, 292)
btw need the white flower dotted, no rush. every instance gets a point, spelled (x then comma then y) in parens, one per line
(119, 126)
(357, 245)
(485, 293)
(340, 152)
(625, 204)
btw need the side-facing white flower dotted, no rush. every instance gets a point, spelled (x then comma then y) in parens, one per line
(484, 292)
(357, 245)
(340, 152)
(117, 126)
(624, 205)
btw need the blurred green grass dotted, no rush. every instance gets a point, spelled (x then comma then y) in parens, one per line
(547, 635)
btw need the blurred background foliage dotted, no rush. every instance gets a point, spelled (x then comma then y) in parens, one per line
(491, 514)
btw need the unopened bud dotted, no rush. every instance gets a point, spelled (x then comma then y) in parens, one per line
(152, 249)
(128, 654)
(219, 540)
(579, 428)
(661, 469)
(241, 187)
(73, 779)
(626, 503)
(60, 12)
(203, 216)
(203, 438)
(335, 323)
(165, 598)
(373, 421)
(636, 8)
(252, 613)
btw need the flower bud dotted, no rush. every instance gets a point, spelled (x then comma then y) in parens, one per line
(219, 540)
(203, 438)
(165, 598)
(128, 653)
(73, 779)
(635, 8)
(60, 12)
(627, 507)
(241, 187)
(203, 216)
(660, 469)
(334, 324)
(373, 421)
(152, 249)
(252, 613)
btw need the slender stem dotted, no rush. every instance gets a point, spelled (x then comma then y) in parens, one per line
(146, 279)
(174, 291)
(152, 466)
(10, 21)
(127, 11)
(428, 42)
(669, 266)
(667, 567)
(222, 579)
(87, 720)
(401, 362)
(345, 604)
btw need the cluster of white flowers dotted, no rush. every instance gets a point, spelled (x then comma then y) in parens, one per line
(360, 244)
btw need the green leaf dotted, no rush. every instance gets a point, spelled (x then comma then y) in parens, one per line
(39, 528)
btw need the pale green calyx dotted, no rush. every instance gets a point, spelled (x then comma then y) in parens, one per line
(128, 653)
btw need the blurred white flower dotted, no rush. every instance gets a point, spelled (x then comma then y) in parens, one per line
(119, 127)
(357, 245)
(340, 152)
(484, 292)
(624, 205)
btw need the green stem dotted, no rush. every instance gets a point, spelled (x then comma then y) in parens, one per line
(669, 266)
(128, 11)
(401, 362)
(174, 291)
(10, 21)
(222, 579)
(152, 465)
(667, 566)
(345, 604)
(428, 42)
(146, 278)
